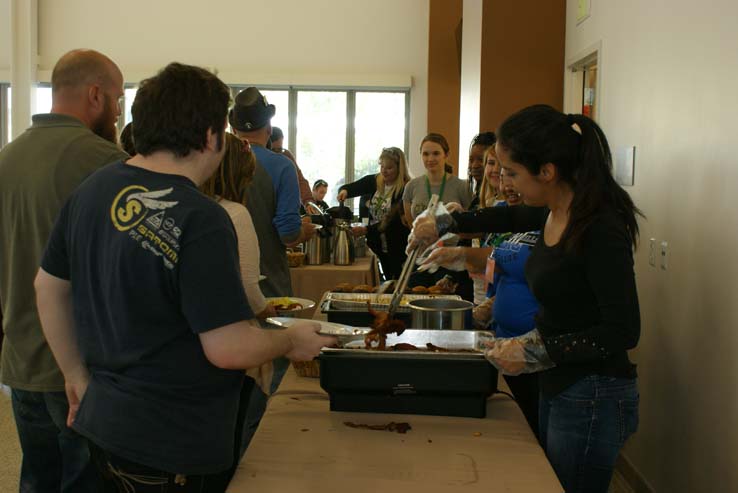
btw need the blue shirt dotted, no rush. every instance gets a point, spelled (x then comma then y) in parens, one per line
(286, 190)
(515, 306)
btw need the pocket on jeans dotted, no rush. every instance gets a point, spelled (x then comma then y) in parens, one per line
(628, 410)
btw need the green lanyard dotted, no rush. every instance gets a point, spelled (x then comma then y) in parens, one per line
(440, 192)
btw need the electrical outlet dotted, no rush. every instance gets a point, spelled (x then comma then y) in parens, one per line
(652, 252)
(664, 255)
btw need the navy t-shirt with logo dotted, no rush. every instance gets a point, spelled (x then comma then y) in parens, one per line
(152, 264)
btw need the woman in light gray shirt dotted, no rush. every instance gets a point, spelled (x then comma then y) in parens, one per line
(434, 152)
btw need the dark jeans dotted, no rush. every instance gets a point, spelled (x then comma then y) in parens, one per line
(118, 475)
(55, 458)
(584, 427)
(524, 388)
(243, 406)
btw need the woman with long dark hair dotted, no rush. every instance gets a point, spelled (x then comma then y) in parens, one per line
(581, 272)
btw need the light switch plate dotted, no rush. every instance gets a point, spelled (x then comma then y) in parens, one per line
(652, 252)
(664, 255)
(625, 166)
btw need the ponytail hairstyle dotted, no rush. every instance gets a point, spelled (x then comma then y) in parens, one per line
(438, 139)
(576, 145)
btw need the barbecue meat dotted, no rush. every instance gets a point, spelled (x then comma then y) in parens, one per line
(391, 426)
(381, 326)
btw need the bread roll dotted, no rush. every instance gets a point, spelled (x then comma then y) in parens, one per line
(363, 288)
(343, 287)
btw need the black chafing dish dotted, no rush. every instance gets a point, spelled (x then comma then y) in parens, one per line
(453, 383)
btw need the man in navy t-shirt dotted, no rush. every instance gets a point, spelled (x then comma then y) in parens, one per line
(142, 303)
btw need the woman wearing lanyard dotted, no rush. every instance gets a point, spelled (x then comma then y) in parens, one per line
(418, 191)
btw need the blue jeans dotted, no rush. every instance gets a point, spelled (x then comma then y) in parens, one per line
(55, 458)
(584, 427)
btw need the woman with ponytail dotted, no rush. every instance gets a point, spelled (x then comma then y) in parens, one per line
(581, 272)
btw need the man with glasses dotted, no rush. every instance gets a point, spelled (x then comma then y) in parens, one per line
(38, 171)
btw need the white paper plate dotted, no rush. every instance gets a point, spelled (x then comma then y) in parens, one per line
(344, 333)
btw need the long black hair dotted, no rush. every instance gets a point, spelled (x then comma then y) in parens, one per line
(576, 145)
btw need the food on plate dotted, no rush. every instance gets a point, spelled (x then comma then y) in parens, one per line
(284, 304)
(381, 326)
(391, 426)
(436, 290)
(363, 288)
(343, 287)
(420, 290)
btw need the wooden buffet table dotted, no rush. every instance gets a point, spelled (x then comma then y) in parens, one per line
(311, 281)
(301, 446)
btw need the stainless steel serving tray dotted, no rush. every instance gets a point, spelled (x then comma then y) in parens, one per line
(460, 343)
(358, 301)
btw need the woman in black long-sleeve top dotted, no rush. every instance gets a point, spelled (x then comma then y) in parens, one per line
(386, 233)
(581, 273)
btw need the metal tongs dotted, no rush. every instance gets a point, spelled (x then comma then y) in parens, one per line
(407, 268)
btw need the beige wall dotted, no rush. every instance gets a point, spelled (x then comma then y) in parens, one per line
(5, 40)
(670, 87)
(316, 42)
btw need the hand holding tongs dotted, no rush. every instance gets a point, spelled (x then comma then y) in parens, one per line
(407, 268)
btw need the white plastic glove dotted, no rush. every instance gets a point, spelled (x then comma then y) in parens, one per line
(482, 314)
(452, 258)
(427, 228)
(454, 207)
(516, 355)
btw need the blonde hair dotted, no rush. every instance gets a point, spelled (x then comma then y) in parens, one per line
(487, 192)
(395, 155)
(234, 172)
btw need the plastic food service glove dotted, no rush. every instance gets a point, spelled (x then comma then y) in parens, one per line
(452, 258)
(427, 227)
(516, 355)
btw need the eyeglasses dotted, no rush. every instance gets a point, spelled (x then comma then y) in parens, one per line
(320, 183)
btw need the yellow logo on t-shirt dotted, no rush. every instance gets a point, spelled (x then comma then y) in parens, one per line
(132, 204)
